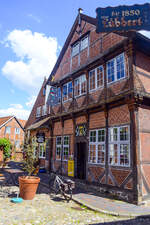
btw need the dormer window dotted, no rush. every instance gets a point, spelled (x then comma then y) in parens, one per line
(84, 43)
(75, 49)
(80, 45)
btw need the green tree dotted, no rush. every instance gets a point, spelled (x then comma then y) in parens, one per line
(5, 144)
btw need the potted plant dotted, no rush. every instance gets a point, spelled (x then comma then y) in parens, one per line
(28, 184)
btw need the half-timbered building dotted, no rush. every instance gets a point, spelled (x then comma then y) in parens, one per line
(100, 114)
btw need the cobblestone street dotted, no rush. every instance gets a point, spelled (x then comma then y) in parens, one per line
(46, 209)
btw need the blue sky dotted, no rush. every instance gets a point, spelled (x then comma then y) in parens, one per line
(32, 32)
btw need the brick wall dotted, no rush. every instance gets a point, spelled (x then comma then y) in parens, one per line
(97, 120)
(57, 129)
(144, 135)
(119, 116)
(96, 46)
(40, 101)
(14, 137)
(142, 74)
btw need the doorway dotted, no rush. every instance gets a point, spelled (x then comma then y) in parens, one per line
(81, 160)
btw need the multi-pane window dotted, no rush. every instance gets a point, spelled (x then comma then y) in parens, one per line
(96, 78)
(44, 110)
(75, 49)
(97, 146)
(67, 91)
(38, 111)
(7, 130)
(80, 45)
(17, 130)
(42, 150)
(84, 43)
(58, 94)
(58, 147)
(119, 146)
(92, 80)
(62, 147)
(80, 85)
(65, 147)
(115, 68)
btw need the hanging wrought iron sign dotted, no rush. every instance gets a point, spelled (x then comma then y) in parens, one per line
(123, 18)
(81, 130)
(40, 137)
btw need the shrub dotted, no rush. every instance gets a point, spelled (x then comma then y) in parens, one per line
(30, 161)
(5, 144)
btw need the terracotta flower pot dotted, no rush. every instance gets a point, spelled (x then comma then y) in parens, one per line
(28, 186)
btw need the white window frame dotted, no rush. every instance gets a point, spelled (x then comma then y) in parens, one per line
(115, 68)
(84, 43)
(41, 156)
(8, 131)
(65, 146)
(62, 146)
(58, 146)
(97, 143)
(79, 79)
(17, 130)
(68, 98)
(75, 49)
(38, 111)
(44, 110)
(80, 46)
(96, 86)
(119, 142)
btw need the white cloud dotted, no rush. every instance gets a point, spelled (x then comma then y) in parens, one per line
(15, 110)
(34, 18)
(31, 101)
(36, 54)
(146, 33)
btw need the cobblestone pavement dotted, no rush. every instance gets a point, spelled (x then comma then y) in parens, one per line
(46, 209)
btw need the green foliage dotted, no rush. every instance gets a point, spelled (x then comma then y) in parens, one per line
(5, 144)
(30, 160)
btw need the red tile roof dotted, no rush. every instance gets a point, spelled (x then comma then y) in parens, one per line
(4, 119)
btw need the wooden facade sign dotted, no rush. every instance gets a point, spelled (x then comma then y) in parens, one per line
(71, 168)
(81, 130)
(40, 137)
(123, 18)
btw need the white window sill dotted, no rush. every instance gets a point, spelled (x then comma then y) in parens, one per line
(96, 89)
(113, 82)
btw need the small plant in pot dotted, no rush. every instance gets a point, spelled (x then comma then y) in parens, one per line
(28, 184)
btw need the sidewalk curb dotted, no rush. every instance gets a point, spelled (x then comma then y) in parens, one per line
(101, 210)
